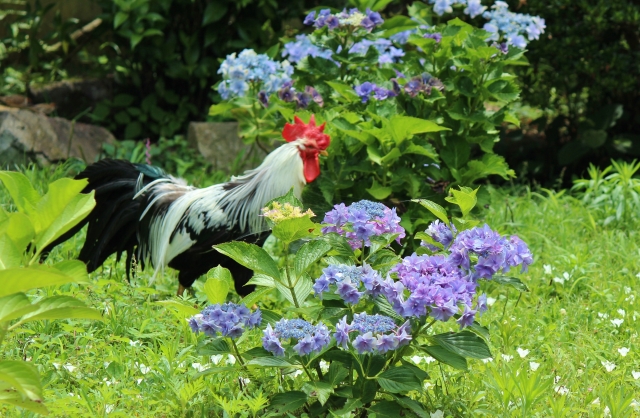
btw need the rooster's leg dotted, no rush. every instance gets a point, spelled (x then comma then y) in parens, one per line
(181, 289)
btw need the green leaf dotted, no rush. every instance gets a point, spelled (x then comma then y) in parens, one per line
(16, 399)
(23, 194)
(14, 306)
(75, 269)
(10, 255)
(427, 150)
(23, 377)
(404, 127)
(378, 191)
(464, 343)
(293, 229)
(214, 12)
(344, 90)
(289, 198)
(465, 198)
(220, 108)
(320, 390)
(288, 401)
(456, 153)
(20, 279)
(445, 356)
(399, 379)
(434, 208)
(336, 374)
(386, 409)
(511, 281)
(120, 18)
(250, 256)
(60, 307)
(308, 255)
(593, 138)
(414, 406)
(19, 228)
(491, 164)
(504, 90)
(302, 289)
(216, 346)
(270, 362)
(217, 285)
(216, 370)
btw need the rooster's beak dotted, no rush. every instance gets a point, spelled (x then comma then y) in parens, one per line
(324, 152)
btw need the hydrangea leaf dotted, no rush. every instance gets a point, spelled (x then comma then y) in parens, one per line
(344, 91)
(434, 208)
(511, 281)
(250, 256)
(320, 390)
(293, 229)
(10, 255)
(399, 379)
(464, 343)
(379, 191)
(288, 401)
(308, 254)
(386, 409)
(59, 307)
(465, 199)
(217, 285)
(19, 228)
(269, 362)
(336, 374)
(447, 357)
(23, 377)
(414, 406)
(216, 346)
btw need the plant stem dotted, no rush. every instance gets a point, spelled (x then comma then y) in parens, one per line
(237, 352)
(290, 286)
(307, 371)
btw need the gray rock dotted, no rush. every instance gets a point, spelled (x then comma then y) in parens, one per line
(72, 97)
(219, 143)
(26, 136)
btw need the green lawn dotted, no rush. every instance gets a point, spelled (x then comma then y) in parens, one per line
(568, 347)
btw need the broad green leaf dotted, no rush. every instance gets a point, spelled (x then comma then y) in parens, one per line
(293, 229)
(217, 285)
(378, 191)
(309, 254)
(374, 154)
(337, 372)
(23, 377)
(302, 288)
(14, 306)
(456, 153)
(23, 194)
(19, 228)
(320, 390)
(427, 150)
(344, 90)
(288, 401)
(74, 211)
(10, 255)
(399, 379)
(404, 127)
(290, 198)
(262, 280)
(181, 309)
(61, 193)
(511, 281)
(256, 296)
(445, 356)
(489, 165)
(270, 362)
(16, 399)
(75, 269)
(220, 108)
(214, 12)
(20, 279)
(250, 256)
(391, 156)
(270, 317)
(504, 90)
(434, 208)
(463, 224)
(464, 198)
(414, 406)
(386, 409)
(216, 346)
(464, 343)
(60, 307)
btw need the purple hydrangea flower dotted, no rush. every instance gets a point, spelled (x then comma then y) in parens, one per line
(441, 233)
(351, 282)
(364, 90)
(423, 83)
(362, 220)
(228, 319)
(310, 339)
(376, 333)
(302, 47)
(435, 36)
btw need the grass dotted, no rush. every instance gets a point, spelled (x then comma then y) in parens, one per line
(574, 324)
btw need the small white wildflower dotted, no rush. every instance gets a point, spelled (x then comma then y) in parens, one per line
(561, 390)
(638, 275)
(69, 367)
(596, 401)
(324, 366)
(143, 369)
(199, 367)
(623, 351)
(106, 364)
(621, 312)
(427, 385)
(56, 365)
(556, 379)
(563, 312)
(138, 381)
(231, 359)
(566, 276)
(487, 360)
(635, 404)
(71, 394)
(635, 374)
(630, 298)
(437, 414)
(182, 365)
(108, 408)
(627, 290)
(507, 357)
(607, 412)
(558, 280)
(245, 380)
(216, 358)
(522, 352)
(491, 301)
(603, 315)
(295, 374)
(608, 365)
(579, 372)
(416, 359)
(617, 322)
(110, 382)
(28, 359)
(534, 366)
(428, 360)
(547, 269)
(135, 343)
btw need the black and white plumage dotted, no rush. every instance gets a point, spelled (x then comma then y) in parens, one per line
(142, 210)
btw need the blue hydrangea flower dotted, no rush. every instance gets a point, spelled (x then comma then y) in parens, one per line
(376, 333)
(309, 338)
(362, 220)
(248, 68)
(354, 18)
(228, 319)
(302, 47)
(423, 83)
(513, 26)
(387, 52)
(441, 233)
(435, 36)
(351, 283)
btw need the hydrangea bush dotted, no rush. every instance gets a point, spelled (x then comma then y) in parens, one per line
(357, 310)
(413, 102)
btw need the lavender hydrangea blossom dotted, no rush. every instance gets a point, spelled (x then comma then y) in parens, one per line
(361, 220)
(302, 99)
(240, 71)
(228, 319)
(387, 52)
(355, 18)
(441, 233)
(423, 83)
(302, 47)
(310, 338)
(376, 333)
(351, 283)
(513, 25)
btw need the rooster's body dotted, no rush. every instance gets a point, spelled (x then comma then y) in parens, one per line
(142, 211)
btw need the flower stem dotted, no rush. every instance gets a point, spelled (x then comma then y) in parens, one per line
(237, 353)
(306, 370)
(290, 285)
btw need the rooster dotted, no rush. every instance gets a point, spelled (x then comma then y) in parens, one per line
(142, 211)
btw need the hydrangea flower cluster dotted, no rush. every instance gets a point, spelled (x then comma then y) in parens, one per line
(435, 36)
(424, 83)
(302, 99)
(361, 220)
(228, 319)
(278, 212)
(302, 47)
(376, 333)
(350, 282)
(367, 20)
(513, 25)
(387, 52)
(439, 286)
(367, 89)
(240, 71)
(473, 9)
(310, 339)
(441, 233)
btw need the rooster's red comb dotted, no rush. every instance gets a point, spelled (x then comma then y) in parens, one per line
(299, 130)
